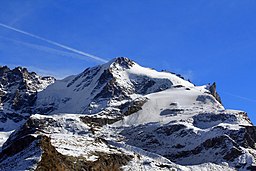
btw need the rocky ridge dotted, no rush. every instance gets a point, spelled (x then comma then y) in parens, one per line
(18, 94)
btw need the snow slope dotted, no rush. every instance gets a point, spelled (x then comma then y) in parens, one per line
(108, 85)
(174, 104)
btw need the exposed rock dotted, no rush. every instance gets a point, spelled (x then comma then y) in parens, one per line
(109, 162)
(16, 146)
(4, 69)
(125, 110)
(205, 99)
(246, 137)
(220, 144)
(207, 120)
(124, 62)
(94, 121)
(51, 159)
(171, 112)
(170, 129)
(19, 87)
(133, 106)
(146, 85)
(213, 92)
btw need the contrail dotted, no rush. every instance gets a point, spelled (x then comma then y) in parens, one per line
(47, 49)
(55, 43)
(240, 97)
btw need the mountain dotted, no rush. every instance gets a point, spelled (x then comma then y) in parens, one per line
(119, 116)
(18, 93)
(105, 88)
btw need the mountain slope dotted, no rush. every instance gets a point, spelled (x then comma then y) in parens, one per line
(18, 93)
(122, 116)
(104, 87)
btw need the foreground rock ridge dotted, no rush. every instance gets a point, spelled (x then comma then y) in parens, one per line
(119, 116)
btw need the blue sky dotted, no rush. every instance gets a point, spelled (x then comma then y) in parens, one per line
(205, 41)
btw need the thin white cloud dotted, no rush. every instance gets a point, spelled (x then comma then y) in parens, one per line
(240, 97)
(55, 43)
(47, 49)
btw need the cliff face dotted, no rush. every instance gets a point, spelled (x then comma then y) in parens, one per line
(213, 92)
(119, 116)
(18, 88)
(18, 94)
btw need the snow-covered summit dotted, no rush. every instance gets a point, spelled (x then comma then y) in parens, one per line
(107, 85)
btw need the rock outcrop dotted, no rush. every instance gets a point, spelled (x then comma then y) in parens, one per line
(213, 92)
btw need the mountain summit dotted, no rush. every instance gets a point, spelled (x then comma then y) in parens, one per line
(105, 87)
(119, 116)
